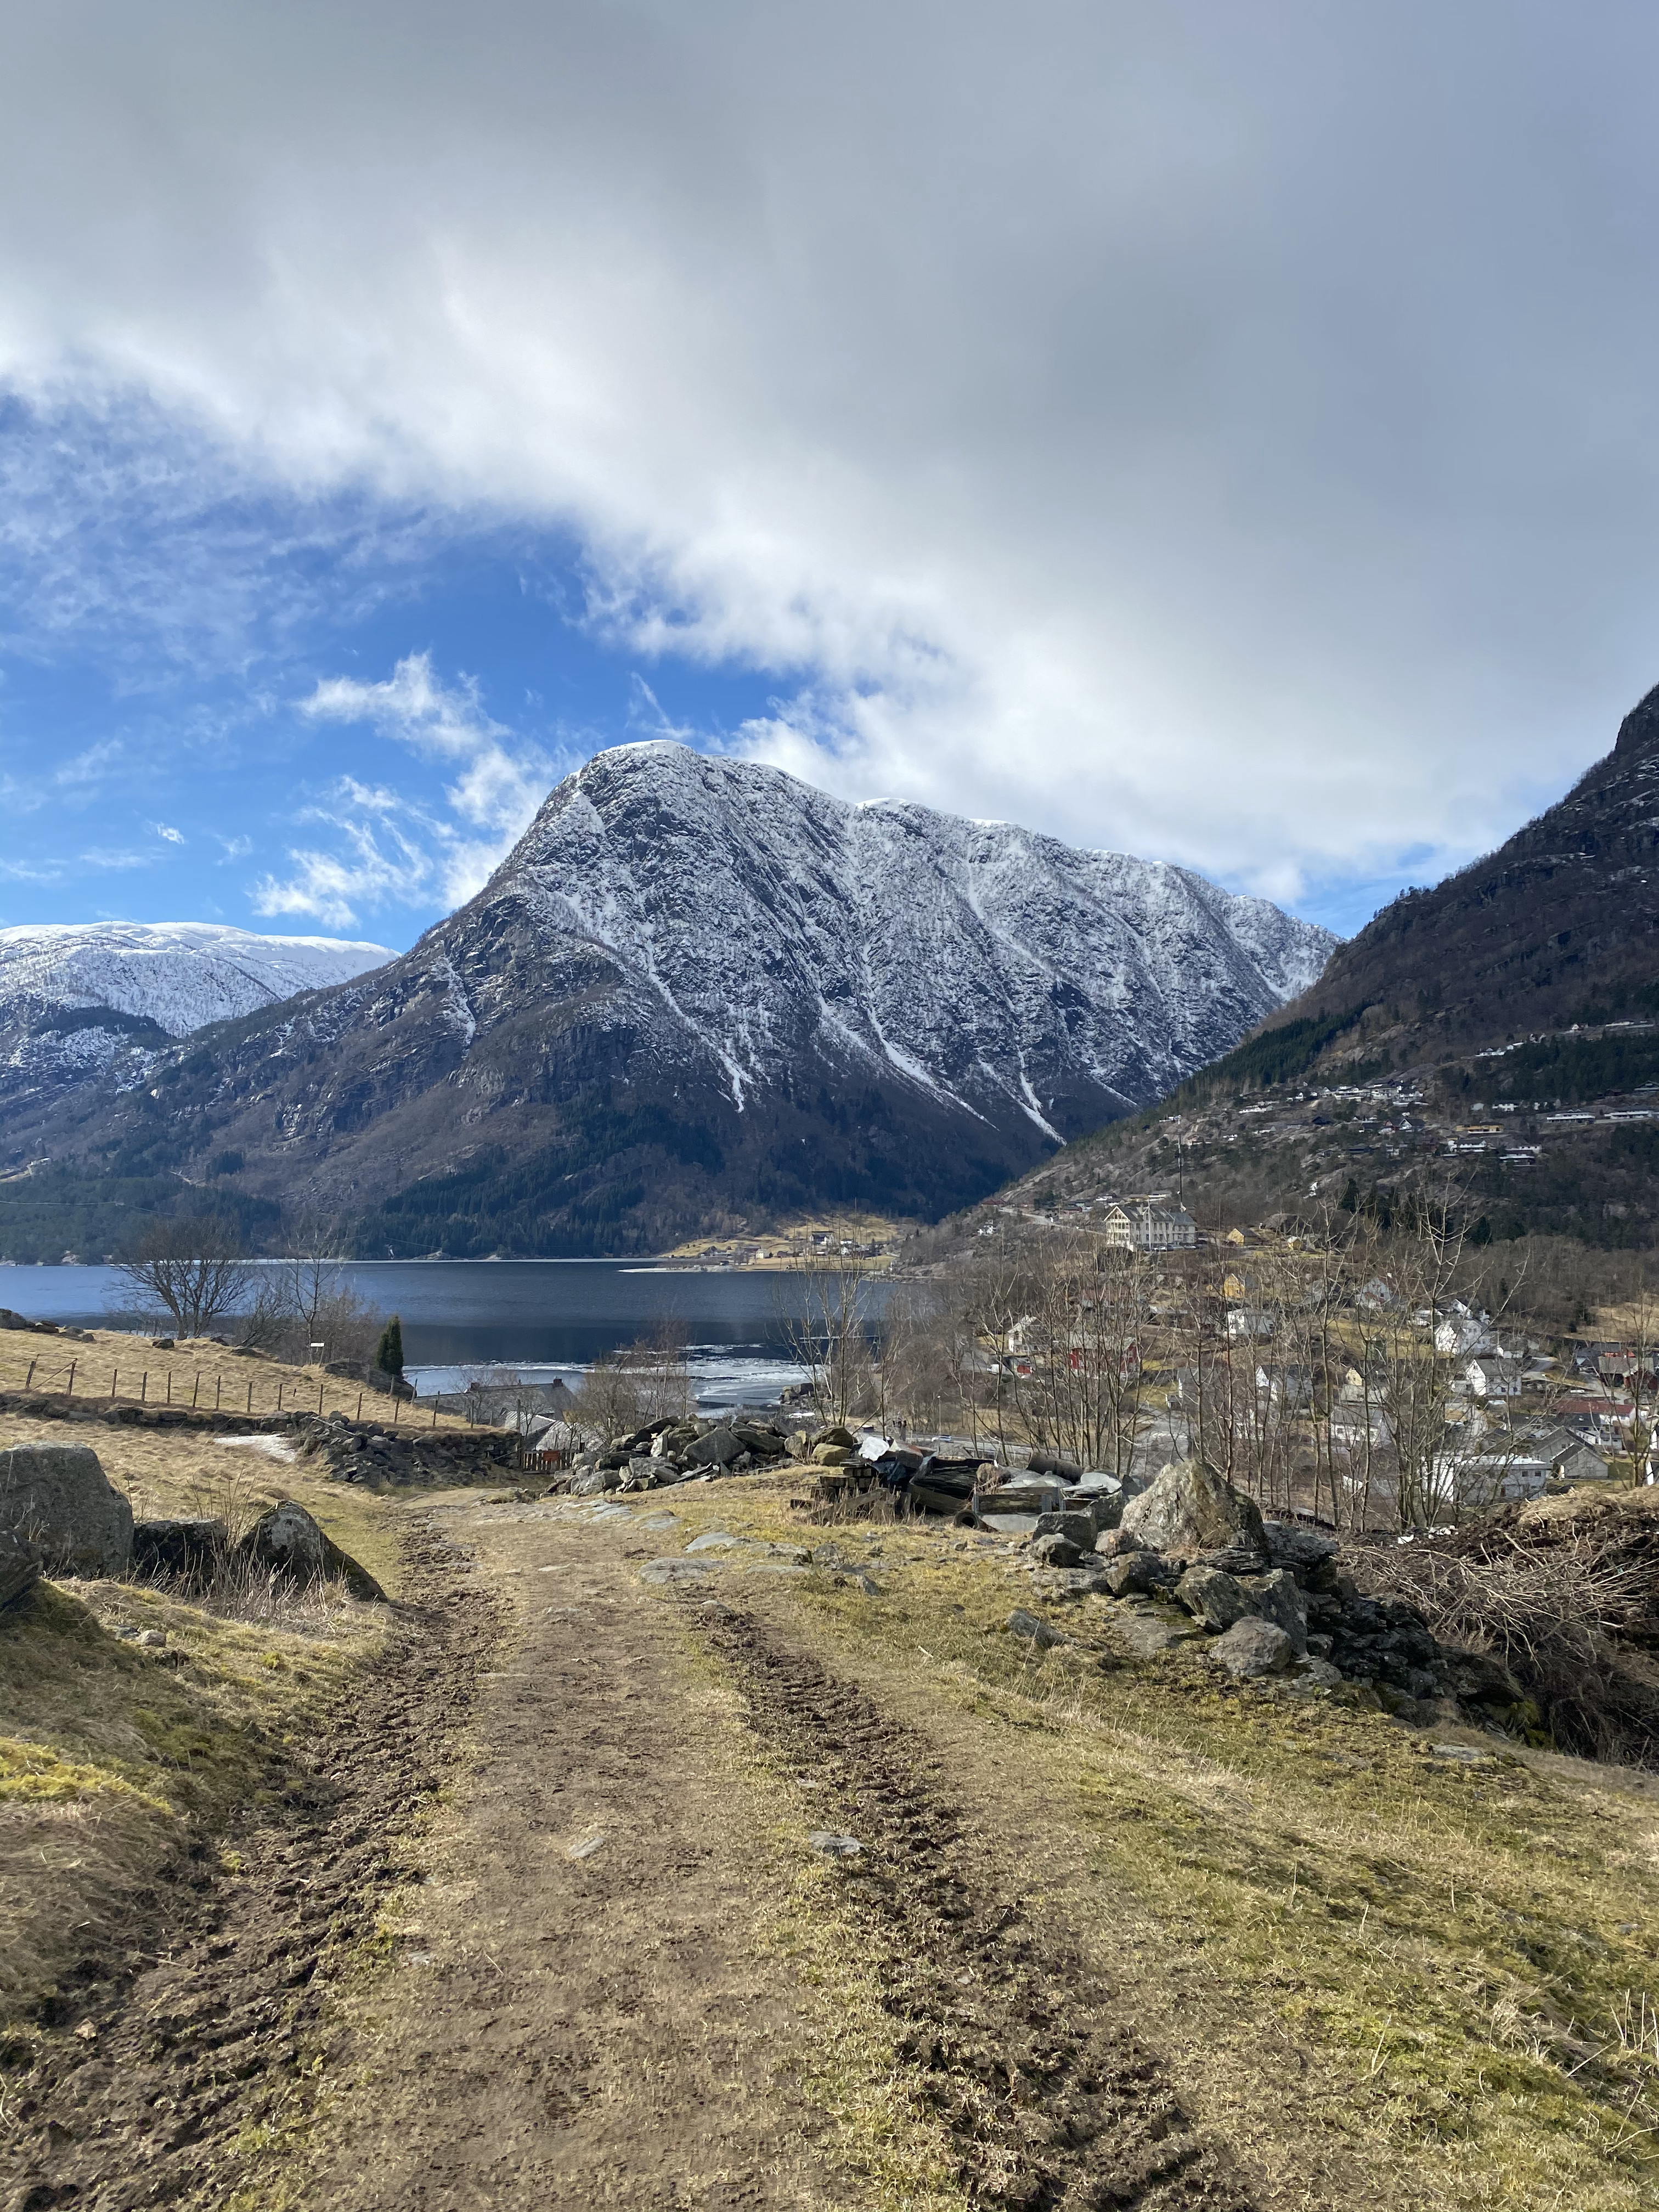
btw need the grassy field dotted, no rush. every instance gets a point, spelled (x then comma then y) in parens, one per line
(1434, 1981)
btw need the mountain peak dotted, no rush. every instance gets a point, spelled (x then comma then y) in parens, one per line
(698, 986)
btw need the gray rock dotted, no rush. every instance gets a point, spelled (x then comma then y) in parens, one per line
(718, 1448)
(1032, 1630)
(832, 1845)
(1212, 1596)
(1316, 1674)
(1009, 1524)
(1251, 1648)
(1190, 1509)
(1136, 1574)
(1078, 1528)
(1148, 1630)
(1276, 1598)
(20, 1568)
(1056, 1550)
(151, 1639)
(287, 1541)
(678, 1571)
(713, 1539)
(57, 1500)
(1303, 1551)
(594, 1481)
(1113, 1543)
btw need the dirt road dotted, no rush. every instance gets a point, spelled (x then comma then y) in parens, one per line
(543, 1928)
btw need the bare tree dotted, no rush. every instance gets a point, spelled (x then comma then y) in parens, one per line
(645, 1382)
(827, 1327)
(192, 1270)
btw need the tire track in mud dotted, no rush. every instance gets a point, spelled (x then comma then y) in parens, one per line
(1016, 2045)
(161, 2095)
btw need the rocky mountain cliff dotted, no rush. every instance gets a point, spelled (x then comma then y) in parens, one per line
(699, 990)
(77, 998)
(1495, 1038)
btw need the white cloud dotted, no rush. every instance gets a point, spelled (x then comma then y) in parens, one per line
(167, 834)
(235, 848)
(105, 856)
(91, 766)
(497, 789)
(1219, 433)
(389, 850)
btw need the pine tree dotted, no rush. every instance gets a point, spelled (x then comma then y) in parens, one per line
(389, 1352)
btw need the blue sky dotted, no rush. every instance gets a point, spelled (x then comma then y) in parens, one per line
(1225, 436)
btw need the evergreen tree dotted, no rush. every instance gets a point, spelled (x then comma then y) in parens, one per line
(389, 1352)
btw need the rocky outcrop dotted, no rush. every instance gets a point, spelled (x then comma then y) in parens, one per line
(1189, 1509)
(289, 1544)
(57, 1499)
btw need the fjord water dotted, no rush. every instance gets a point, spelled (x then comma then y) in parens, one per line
(533, 1315)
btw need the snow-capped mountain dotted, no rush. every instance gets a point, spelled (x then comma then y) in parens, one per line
(754, 922)
(699, 989)
(75, 999)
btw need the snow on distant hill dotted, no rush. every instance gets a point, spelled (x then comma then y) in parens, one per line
(77, 996)
(699, 990)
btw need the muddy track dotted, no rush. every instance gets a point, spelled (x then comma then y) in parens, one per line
(1017, 2045)
(172, 2071)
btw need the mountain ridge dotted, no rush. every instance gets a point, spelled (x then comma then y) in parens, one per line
(699, 991)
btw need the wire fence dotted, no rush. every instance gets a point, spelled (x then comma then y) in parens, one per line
(208, 1393)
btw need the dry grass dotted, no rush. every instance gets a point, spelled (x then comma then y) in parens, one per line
(1385, 1975)
(115, 1754)
(197, 1371)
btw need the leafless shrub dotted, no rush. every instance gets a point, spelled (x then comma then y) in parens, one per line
(1553, 1614)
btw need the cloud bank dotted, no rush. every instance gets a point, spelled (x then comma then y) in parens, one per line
(1222, 434)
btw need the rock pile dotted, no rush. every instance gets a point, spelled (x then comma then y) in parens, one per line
(1192, 1560)
(670, 1451)
(365, 1451)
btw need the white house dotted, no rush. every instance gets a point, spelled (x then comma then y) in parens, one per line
(1150, 1228)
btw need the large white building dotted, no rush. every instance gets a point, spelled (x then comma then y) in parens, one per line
(1151, 1228)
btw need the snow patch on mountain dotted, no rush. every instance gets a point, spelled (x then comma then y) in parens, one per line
(777, 926)
(178, 974)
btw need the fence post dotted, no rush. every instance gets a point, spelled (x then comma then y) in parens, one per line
(197, 1392)
(114, 1378)
(250, 1397)
(359, 1406)
(396, 1403)
(69, 1389)
(29, 1377)
(218, 1386)
(144, 1387)
(169, 1385)
(279, 1397)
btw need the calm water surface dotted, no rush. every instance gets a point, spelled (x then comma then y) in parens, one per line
(540, 1316)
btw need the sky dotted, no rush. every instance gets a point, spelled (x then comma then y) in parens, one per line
(1228, 435)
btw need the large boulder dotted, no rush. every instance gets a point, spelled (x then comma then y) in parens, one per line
(287, 1542)
(1252, 1647)
(57, 1499)
(1212, 1596)
(19, 1567)
(718, 1448)
(1190, 1509)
